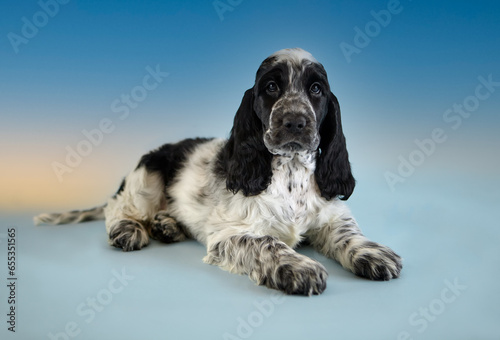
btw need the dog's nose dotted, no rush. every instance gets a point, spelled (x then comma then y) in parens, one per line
(294, 124)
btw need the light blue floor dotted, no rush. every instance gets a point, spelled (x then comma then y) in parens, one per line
(448, 235)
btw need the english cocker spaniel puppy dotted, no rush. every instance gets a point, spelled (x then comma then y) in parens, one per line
(279, 180)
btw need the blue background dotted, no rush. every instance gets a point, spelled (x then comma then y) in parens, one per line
(442, 216)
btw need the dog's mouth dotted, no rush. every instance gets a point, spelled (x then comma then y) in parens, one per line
(288, 149)
(293, 146)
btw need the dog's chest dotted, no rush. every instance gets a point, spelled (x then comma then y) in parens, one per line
(294, 189)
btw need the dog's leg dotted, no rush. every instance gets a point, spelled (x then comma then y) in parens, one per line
(267, 261)
(342, 240)
(130, 212)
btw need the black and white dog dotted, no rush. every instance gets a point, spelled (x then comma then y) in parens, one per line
(278, 180)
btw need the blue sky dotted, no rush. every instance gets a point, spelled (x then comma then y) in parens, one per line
(85, 56)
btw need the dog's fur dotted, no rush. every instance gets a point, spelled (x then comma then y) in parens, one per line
(279, 180)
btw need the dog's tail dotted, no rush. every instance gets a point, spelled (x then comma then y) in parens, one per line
(75, 216)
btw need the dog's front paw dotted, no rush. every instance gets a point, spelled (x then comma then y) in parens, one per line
(301, 276)
(376, 262)
(128, 235)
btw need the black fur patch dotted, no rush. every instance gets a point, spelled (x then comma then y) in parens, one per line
(169, 158)
(244, 162)
(121, 188)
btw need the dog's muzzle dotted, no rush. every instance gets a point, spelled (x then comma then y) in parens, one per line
(292, 128)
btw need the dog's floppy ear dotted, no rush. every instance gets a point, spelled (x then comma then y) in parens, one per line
(245, 160)
(333, 170)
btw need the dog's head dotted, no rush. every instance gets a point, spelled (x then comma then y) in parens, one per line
(291, 99)
(289, 110)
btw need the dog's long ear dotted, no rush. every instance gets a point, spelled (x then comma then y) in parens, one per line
(333, 170)
(245, 160)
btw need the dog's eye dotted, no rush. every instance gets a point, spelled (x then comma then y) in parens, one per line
(272, 87)
(315, 88)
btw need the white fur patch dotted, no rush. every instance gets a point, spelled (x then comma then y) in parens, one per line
(295, 55)
(142, 198)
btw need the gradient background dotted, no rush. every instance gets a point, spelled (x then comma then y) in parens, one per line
(443, 218)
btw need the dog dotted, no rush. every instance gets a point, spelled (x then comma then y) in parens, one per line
(279, 180)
